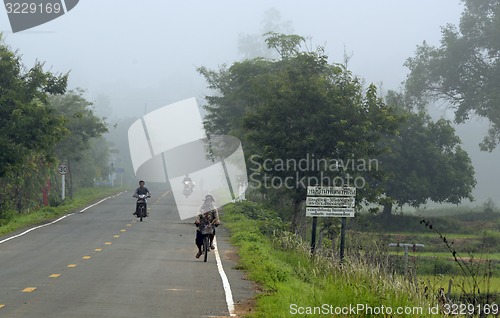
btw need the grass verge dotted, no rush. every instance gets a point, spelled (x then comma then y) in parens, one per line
(295, 284)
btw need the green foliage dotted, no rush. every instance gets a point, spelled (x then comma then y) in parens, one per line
(297, 106)
(286, 45)
(464, 70)
(442, 266)
(39, 124)
(82, 149)
(6, 216)
(55, 200)
(81, 123)
(28, 128)
(424, 162)
(286, 274)
(267, 219)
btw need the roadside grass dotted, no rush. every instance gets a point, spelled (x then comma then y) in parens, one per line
(13, 221)
(294, 283)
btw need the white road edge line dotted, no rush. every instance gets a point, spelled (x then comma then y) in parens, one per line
(55, 221)
(225, 282)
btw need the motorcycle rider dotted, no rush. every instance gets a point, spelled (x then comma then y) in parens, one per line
(187, 180)
(207, 212)
(141, 190)
(188, 185)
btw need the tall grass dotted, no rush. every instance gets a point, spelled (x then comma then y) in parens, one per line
(293, 282)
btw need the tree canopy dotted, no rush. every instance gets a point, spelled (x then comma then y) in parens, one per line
(425, 161)
(27, 124)
(465, 69)
(83, 127)
(302, 109)
(299, 107)
(39, 124)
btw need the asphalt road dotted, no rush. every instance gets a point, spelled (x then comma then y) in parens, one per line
(103, 262)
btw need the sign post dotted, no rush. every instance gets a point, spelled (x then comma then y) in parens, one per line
(63, 169)
(330, 202)
(313, 234)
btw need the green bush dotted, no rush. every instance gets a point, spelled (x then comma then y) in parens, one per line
(55, 200)
(443, 266)
(6, 216)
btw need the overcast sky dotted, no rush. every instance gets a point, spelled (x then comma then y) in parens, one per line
(139, 48)
(143, 54)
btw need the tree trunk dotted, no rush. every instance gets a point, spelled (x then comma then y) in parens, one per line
(387, 211)
(296, 214)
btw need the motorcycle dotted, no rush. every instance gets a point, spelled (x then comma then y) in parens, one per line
(188, 188)
(141, 203)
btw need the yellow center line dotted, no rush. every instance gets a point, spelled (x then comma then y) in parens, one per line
(117, 236)
(86, 257)
(98, 249)
(108, 243)
(1, 306)
(71, 265)
(54, 275)
(29, 289)
(123, 230)
(129, 224)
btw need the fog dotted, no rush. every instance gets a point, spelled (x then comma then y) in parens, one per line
(132, 57)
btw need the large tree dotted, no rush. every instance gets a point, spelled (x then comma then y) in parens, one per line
(29, 129)
(425, 161)
(297, 107)
(27, 124)
(465, 69)
(83, 126)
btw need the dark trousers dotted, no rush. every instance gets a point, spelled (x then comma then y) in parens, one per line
(199, 238)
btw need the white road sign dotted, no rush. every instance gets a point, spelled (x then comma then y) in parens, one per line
(338, 202)
(62, 168)
(331, 191)
(329, 212)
